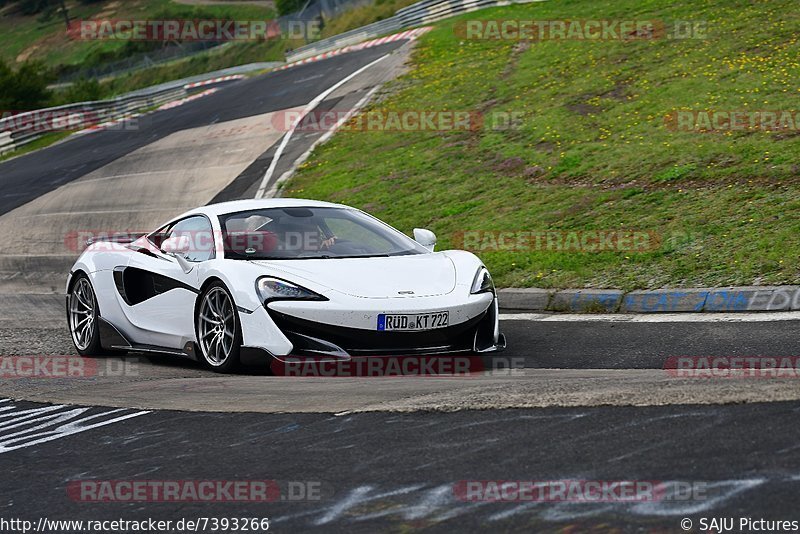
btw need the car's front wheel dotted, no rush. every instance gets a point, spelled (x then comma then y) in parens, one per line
(82, 315)
(219, 334)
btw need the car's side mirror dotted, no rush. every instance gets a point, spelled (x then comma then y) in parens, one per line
(178, 247)
(426, 238)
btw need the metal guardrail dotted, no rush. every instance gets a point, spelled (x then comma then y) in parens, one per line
(20, 129)
(420, 13)
(6, 143)
(345, 39)
(423, 12)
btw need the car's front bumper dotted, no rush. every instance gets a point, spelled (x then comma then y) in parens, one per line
(348, 327)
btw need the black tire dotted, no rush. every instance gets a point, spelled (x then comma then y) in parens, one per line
(217, 320)
(82, 307)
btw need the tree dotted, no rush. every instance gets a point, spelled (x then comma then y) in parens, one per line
(64, 12)
(286, 7)
(25, 89)
(32, 7)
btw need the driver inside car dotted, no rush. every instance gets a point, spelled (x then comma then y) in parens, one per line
(305, 234)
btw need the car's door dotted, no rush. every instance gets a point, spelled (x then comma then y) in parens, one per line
(159, 286)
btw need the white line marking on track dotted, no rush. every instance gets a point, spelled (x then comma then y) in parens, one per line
(262, 188)
(322, 139)
(656, 317)
(27, 427)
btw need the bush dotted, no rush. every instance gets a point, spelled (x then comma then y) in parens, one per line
(81, 91)
(32, 7)
(286, 7)
(26, 88)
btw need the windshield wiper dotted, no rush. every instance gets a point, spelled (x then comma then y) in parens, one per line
(362, 256)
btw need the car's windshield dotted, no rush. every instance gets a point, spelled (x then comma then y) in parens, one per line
(308, 233)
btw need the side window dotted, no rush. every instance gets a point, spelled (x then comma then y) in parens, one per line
(160, 235)
(195, 238)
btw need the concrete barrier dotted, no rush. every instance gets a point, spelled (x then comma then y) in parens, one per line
(665, 301)
(707, 300)
(524, 299)
(586, 300)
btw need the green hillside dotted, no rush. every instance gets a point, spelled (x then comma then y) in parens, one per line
(593, 149)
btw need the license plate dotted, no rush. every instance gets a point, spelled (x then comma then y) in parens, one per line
(412, 322)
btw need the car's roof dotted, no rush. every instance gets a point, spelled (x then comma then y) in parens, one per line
(234, 206)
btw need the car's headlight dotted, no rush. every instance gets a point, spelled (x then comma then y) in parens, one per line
(483, 282)
(276, 289)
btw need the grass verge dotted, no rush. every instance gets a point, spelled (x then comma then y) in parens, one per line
(592, 150)
(363, 15)
(44, 141)
(45, 39)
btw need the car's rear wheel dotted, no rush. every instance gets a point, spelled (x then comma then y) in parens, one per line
(219, 334)
(82, 315)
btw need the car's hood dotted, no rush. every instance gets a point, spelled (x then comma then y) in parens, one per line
(419, 275)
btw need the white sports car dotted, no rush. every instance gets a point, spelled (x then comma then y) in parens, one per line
(260, 280)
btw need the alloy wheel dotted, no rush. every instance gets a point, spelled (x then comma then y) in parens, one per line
(216, 326)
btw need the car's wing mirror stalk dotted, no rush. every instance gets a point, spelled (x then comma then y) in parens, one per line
(183, 262)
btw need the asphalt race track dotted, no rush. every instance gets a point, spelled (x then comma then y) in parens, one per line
(211, 149)
(397, 472)
(32, 175)
(571, 399)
